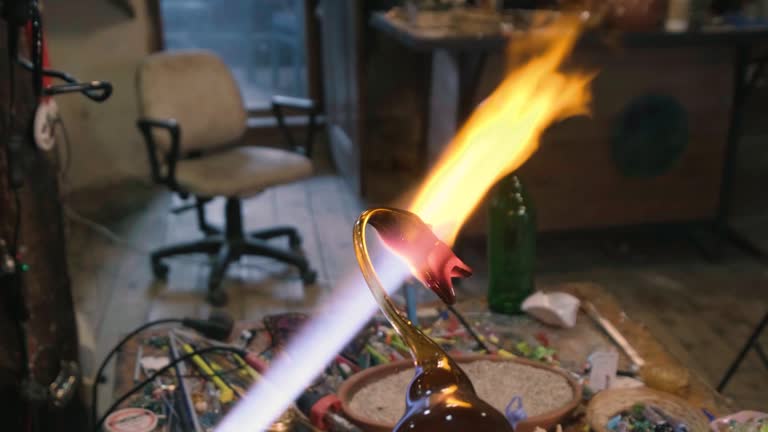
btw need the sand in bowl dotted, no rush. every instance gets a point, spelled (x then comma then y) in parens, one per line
(496, 382)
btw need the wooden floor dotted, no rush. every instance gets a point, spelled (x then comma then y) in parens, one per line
(703, 311)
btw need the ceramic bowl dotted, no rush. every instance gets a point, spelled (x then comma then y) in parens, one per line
(363, 378)
(740, 417)
(608, 403)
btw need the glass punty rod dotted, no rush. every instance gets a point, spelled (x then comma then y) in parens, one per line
(441, 396)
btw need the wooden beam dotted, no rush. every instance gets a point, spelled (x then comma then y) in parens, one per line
(34, 212)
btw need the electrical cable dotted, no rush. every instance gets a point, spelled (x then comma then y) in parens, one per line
(218, 326)
(118, 239)
(158, 373)
(113, 351)
(13, 52)
(16, 225)
(104, 231)
(13, 41)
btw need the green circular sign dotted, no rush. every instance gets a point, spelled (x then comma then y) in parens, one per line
(649, 136)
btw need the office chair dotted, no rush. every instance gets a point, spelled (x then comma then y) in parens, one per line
(192, 119)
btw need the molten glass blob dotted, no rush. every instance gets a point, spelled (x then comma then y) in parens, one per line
(432, 262)
(441, 396)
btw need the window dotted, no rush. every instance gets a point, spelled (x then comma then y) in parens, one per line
(262, 41)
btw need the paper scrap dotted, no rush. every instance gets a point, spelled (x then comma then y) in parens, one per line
(154, 363)
(604, 365)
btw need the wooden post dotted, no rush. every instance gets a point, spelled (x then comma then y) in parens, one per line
(50, 330)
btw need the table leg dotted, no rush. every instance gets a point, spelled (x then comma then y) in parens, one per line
(470, 73)
(751, 343)
(455, 80)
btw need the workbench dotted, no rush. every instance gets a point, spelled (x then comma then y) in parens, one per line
(573, 178)
(573, 345)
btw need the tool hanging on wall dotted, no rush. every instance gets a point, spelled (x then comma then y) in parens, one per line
(26, 14)
(47, 112)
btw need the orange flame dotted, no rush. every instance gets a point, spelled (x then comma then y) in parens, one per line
(504, 131)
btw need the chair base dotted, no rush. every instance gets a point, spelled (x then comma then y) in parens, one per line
(228, 247)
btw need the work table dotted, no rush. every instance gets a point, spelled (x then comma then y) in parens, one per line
(699, 74)
(572, 345)
(450, 38)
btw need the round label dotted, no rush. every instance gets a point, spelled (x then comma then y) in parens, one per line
(650, 136)
(131, 420)
(45, 118)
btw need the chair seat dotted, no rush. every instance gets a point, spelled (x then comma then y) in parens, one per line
(241, 172)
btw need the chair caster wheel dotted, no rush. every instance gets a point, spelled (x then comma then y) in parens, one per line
(308, 276)
(217, 298)
(160, 270)
(294, 242)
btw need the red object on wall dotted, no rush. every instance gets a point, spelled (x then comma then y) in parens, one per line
(47, 81)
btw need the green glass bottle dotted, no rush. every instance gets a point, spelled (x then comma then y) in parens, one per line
(511, 246)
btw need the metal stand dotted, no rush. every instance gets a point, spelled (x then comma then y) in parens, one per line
(752, 342)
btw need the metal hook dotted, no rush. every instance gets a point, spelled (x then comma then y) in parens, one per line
(98, 91)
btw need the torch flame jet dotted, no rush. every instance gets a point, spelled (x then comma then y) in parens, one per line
(497, 139)
(504, 131)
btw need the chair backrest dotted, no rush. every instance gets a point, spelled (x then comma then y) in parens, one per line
(197, 90)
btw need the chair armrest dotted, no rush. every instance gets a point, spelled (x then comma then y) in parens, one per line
(300, 104)
(293, 102)
(146, 125)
